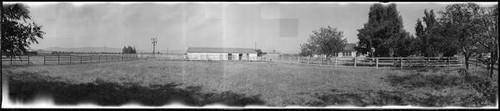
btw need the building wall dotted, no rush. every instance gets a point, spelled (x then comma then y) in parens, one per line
(341, 54)
(219, 56)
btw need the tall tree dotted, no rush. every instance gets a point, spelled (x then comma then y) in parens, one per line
(431, 39)
(383, 32)
(129, 50)
(325, 41)
(488, 38)
(461, 23)
(18, 31)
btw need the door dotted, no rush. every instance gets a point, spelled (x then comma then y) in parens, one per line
(240, 56)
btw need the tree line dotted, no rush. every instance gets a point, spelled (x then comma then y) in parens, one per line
(462, 29)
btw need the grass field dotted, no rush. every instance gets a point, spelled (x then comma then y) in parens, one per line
(265, 83)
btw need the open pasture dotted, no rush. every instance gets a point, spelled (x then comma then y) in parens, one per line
(269, 83)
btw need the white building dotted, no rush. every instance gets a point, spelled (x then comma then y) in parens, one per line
(205, 53)
(348, 51)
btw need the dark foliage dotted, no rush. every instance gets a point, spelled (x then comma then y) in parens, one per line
(18, 31)
(129, 50)
(25, 88)
(383, 34)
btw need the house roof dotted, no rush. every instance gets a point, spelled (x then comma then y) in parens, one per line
(350, 47)
(219, 50)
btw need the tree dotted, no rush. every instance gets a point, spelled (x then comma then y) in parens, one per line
(432, 42)
(306, 50)
(259, 52)
(18, 31)
(129, 50)
(461, 24)
(325, 41)
(488, 38)
(383, 32)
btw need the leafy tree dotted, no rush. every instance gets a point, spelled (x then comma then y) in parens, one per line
(432, 42)
(488, 38)
(383, 32)
(259, 52)
(461, 23)
(306, 50)
(129, 50)
(18, 31)
(327, 41)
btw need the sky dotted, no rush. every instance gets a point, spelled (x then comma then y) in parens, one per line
(268, 26)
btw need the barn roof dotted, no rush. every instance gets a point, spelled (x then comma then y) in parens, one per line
(219, 50)
(350, 47)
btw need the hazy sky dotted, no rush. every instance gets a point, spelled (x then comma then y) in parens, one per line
(280, 26)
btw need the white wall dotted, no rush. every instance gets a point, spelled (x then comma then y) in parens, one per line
(219, 56)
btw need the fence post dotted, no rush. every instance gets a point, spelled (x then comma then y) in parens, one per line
(10, 60)
(69, 59)
(309, 60)
(28, 59)
(81, 57)
(328, 61)
(428, 61)
(335, 61)
(401, 62)
(448, 62)
(99, 58)
(43, 60)
(376, 62)
(354, 61)
(58, 56)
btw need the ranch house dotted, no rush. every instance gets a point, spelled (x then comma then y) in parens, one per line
(205, 53)
(349, 51)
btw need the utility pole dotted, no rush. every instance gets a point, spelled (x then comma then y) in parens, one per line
(255, 46)
(154, 41)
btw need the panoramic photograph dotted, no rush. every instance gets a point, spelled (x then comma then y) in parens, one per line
(249, 55)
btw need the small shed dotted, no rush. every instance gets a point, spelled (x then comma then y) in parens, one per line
(208, 53)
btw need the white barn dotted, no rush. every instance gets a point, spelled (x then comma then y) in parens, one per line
(348, 51)
(205, 53)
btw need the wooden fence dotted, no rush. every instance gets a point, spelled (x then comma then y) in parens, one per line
(200, 57)
(18, 60)
(375, 62)
(66, 59)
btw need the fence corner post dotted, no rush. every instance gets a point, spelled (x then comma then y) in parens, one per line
(376, 62)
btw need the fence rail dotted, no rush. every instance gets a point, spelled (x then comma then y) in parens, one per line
(401, 62)
(66, 59)
(375, 61)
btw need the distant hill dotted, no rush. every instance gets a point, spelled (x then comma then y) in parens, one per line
(85, 49)
(105, 49)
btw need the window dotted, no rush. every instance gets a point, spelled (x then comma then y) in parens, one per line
(346, 53)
